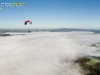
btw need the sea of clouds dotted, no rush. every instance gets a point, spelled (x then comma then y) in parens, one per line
(46, 53)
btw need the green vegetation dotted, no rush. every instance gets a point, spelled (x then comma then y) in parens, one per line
(5, 35)
(91, 65)
(93, 61)
(94, 45)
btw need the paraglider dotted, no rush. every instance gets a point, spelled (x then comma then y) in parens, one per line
(28, 21)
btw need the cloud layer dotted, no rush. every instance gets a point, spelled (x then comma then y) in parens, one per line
(45, 53)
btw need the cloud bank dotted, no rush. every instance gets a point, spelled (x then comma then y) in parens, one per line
(45, 53)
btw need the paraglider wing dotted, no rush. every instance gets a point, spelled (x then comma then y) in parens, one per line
(25, 22)
(30, 22)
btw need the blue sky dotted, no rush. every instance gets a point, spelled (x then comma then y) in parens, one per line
(52, 14)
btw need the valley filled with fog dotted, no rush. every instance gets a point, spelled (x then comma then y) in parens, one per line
(46, 53)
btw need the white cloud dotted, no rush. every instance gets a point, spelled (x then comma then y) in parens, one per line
(45, 53)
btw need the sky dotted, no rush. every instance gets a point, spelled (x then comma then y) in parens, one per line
(51, 14)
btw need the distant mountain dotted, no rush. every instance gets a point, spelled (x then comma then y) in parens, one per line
(51, 30)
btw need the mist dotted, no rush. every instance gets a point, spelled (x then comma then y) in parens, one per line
(45, 53)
